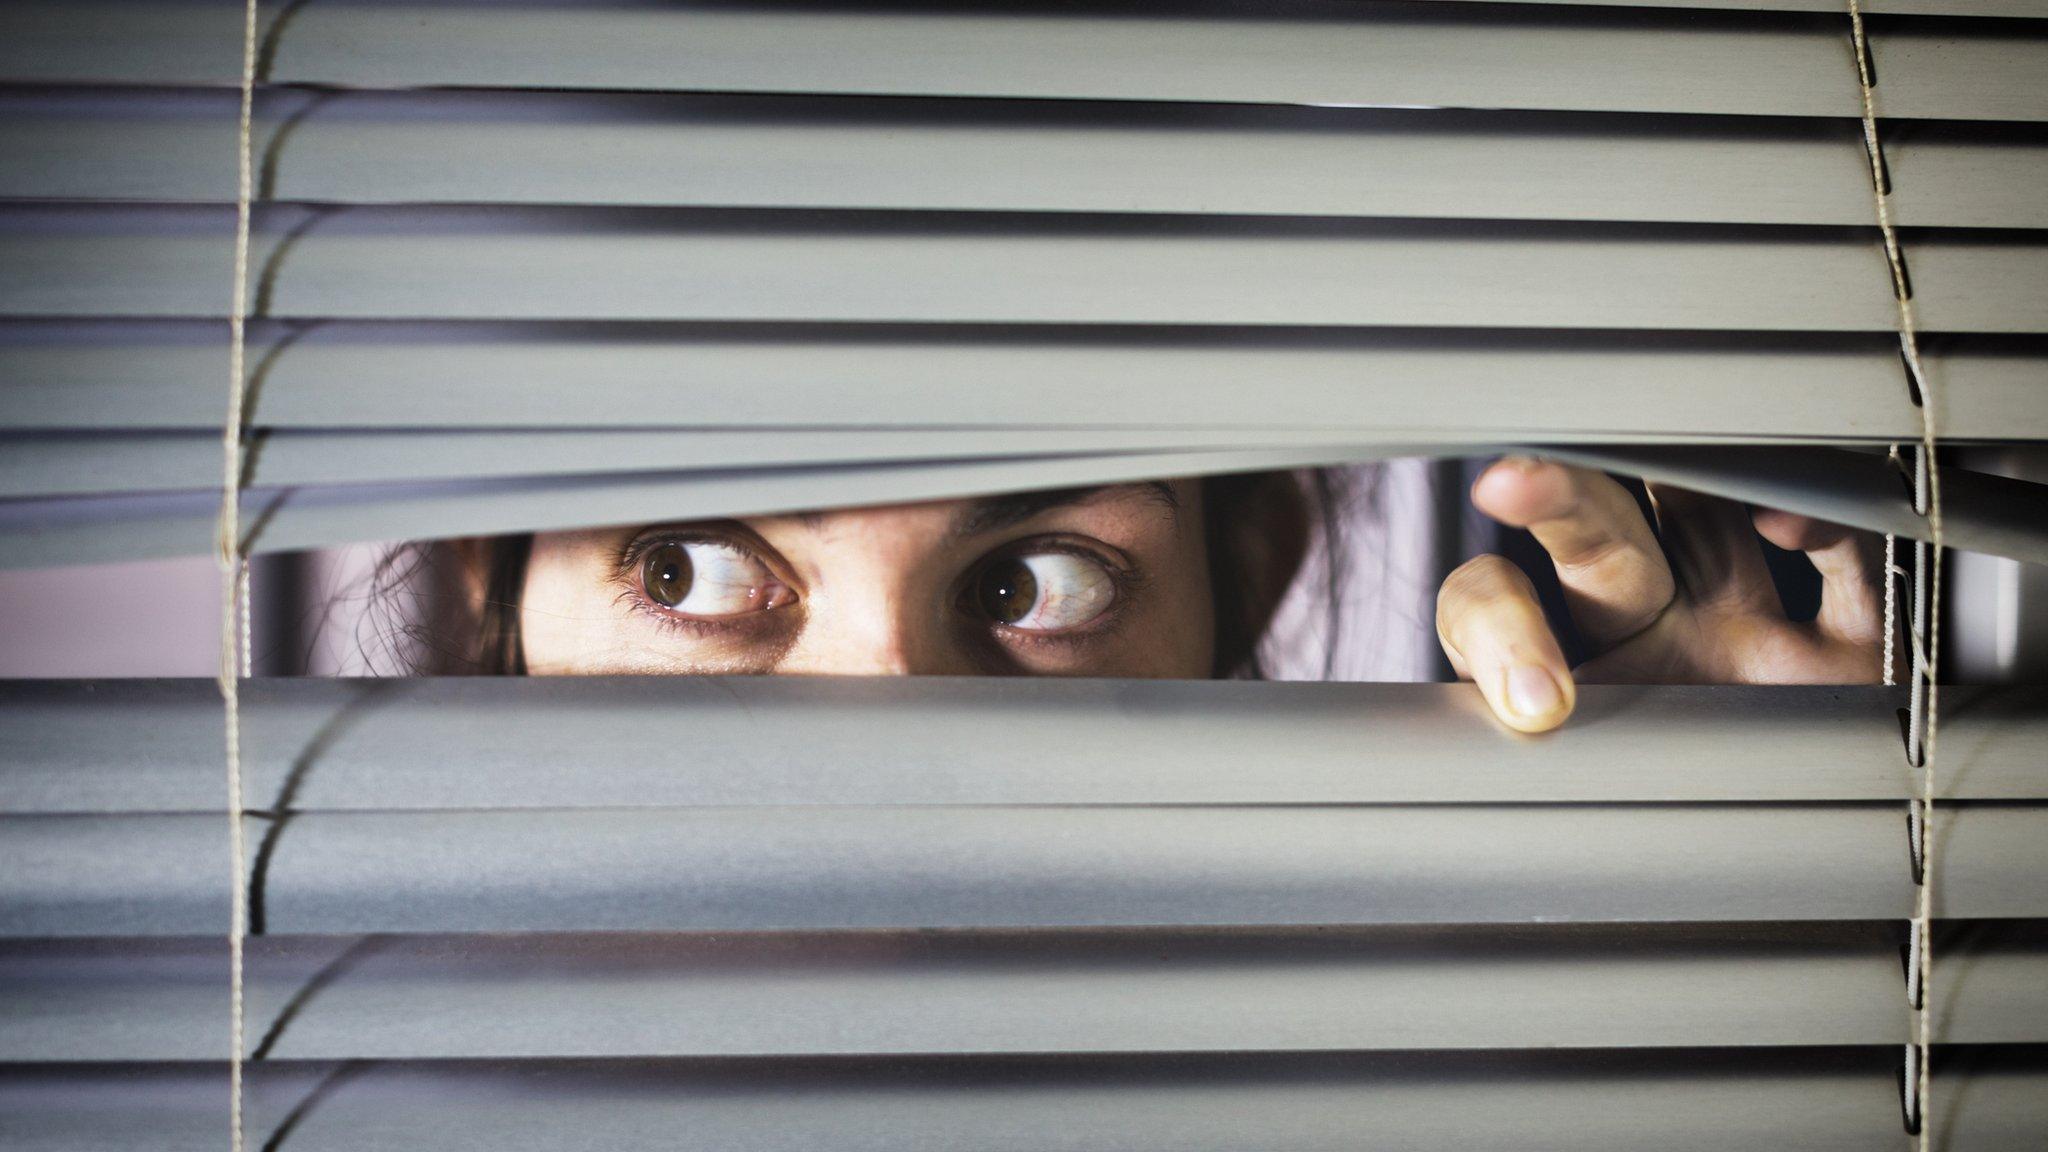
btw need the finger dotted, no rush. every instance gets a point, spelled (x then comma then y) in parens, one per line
(1492, 628)
(1615, 578)
(1851, 565)
(1714, 551)
(1797, 533)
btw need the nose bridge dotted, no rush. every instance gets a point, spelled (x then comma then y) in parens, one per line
(867, 624)
(877, 642)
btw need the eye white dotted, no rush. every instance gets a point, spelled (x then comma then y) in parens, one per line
(724, 581)
(1072, 590)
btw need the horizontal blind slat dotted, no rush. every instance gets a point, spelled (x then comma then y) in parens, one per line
(468, 742)
(525, 997)
(1386, 54)
(53, 465)
(100, 529)
(619, 264)
(1430, 386)
(569, 148)
(562, 264)
(1983, 513)
(1016, 867)
(2016, 9)
(1822, 1100)
(1996, 516)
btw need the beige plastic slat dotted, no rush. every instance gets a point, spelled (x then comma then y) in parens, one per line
(509, 264)
(72, 464)
(2018, 9)
(1439, 387)
(870, 994)
(659, 150)
(1386, 54)
(68, 747)
(833, 868)
(1983, 513)
(1819, 1100)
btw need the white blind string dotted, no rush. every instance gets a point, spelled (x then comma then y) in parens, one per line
(1891, 608)
(1924, 622)
(1887, 657)
(234, 564)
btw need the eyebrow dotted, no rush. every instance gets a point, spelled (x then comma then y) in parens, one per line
(995, 513)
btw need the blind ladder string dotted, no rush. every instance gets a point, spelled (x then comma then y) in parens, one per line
(1924, 622)
(234, 564)
(1891, 608)
(1887, 649)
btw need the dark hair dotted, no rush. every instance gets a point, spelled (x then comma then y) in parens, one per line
(1257, 527)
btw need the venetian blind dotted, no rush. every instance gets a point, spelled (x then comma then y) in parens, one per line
(540, 265)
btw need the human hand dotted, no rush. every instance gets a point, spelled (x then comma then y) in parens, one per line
(1708, 615)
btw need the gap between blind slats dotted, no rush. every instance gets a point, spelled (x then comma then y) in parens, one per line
(526, 997)
(1387, 54)
(1498, 385)
(569, 148)
(470, 743)
(1821, 1100)
(788, 869)
(1984, 513)
(620, 264)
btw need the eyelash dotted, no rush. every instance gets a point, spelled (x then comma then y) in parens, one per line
(1124, 578)
(626, 574)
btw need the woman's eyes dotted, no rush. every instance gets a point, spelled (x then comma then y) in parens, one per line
(709, 578)
(714, 579)
(1044, 591)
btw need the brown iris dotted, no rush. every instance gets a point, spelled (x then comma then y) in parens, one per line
(1006, 591)
(666, 574)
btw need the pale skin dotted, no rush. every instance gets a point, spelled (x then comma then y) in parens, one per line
(1115, 581)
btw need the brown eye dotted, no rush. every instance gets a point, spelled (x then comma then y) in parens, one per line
(666, 574)
(709, 579)
(1006, 591)
(1044, 591)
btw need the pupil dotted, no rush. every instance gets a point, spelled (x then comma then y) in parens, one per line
(666, 575)
(1008, 590)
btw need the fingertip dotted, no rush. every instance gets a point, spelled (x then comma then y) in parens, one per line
(1494, 631)
(1797, 533)
(1521, 490)
(1533, 727)
(1531, 698)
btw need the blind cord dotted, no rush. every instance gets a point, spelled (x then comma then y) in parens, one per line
(1887, 658)
(1891, 609)
(234, 564)
(1924, 623)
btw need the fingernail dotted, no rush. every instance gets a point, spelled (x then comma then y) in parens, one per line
(1532, 691)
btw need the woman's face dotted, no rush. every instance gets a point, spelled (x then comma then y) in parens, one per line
(1109, 581)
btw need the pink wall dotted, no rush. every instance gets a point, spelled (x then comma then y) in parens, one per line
(152, 618)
